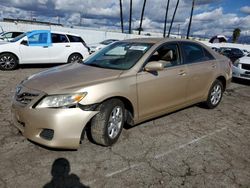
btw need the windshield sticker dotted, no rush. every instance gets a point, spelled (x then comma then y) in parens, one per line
(141, 48)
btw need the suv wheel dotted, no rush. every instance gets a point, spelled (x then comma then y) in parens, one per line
(107, 125)
(8, 62)
(215, 94)
(75, 58)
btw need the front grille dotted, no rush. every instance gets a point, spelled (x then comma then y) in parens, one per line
(245, 66)
(245, 75)
(47, 134)
(25, 98)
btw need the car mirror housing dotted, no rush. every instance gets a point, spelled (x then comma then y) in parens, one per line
(24, 42)
(154, 66)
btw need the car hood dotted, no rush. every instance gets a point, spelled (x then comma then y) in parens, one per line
(245, 60)
(69, 78)
(4, 42)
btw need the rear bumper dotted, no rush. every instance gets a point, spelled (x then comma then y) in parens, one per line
(65, 124)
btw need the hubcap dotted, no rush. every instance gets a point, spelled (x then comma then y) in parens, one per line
(216, 94)
(76, 59)
(115, 122)
(7, 62)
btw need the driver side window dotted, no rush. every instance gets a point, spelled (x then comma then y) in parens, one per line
(168, 54)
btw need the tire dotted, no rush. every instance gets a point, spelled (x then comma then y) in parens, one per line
(8, 61)
(75, 58)
(214, 95)
(107, 125)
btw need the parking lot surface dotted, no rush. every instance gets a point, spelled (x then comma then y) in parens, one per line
(194, 147)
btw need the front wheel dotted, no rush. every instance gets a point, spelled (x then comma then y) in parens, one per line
(8, 62)
(75, 58)
(107, 125)
(214, 95)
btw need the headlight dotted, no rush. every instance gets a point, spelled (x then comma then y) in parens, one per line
(60, 101)
(236, 63)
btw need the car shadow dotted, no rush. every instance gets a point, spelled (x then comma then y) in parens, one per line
(61, 176)
(39, 66)
(241, 81)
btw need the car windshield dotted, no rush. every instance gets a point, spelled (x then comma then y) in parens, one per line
(19, 37)
(120, 55)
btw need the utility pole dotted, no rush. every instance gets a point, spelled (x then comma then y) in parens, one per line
(177, 4)
(142, 13)
(121, 16)
(179, 29)
(166, 17)
(190, 21)
(130, 16)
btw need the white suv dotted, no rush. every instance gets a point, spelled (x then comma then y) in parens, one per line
(42, 46)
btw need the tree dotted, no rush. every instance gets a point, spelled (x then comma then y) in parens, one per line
(130, 16)
(165, 22)
(170, 27)
(142, 14)
(121, 15)
(190, 20)
(236, 35)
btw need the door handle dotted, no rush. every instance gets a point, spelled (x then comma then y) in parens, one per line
(182, 73)
(45, 46)
(67, 46)
(214, 65)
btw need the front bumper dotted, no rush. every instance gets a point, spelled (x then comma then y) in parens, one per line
(238, 72)
(65, 124)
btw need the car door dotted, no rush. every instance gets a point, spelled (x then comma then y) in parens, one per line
(60, 49)
(35, 47)
(162, 90)
(201, 66)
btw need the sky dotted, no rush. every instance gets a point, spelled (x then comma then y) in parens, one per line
(211, 17)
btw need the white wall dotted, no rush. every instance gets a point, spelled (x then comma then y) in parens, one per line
(94, 36)
(89, 35)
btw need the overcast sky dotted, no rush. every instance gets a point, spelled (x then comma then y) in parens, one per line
(211, 17)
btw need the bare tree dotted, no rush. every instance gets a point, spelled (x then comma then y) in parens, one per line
(121, 16)
(142, 14)
(130, 16)
(190, 20)
(166, 17)
(177, 4)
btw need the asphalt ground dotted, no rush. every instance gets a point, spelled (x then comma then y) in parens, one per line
(194, 147)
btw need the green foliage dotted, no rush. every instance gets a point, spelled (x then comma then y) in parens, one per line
(236, 35)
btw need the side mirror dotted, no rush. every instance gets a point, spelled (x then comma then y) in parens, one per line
(154, 66)
(24, 42)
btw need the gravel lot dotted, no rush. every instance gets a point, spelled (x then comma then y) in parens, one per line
(194, 147)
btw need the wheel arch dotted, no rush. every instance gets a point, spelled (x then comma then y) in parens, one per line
(127, 104)
(6, 52)
(222, 79)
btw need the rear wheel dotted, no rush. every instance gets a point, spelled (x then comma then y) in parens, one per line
(215, 95)
(75, 58)
(107, 125)
(8, 62)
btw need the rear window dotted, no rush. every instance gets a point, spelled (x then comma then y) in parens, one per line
(195, 53)
(75, 39)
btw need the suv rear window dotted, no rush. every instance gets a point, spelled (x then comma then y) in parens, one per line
(75, 39)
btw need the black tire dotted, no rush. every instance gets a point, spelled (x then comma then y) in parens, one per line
(214, 95)
(8, 62)
(101, 125)
(75, 58)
